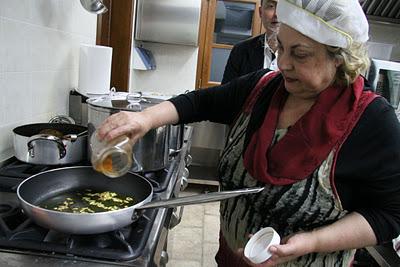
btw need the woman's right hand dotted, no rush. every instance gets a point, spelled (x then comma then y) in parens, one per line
(137, 124)
(133, 124)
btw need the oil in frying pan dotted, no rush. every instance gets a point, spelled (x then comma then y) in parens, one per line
(88, 201)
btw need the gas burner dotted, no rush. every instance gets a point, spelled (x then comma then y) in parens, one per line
(124, 244)
(13, 171)
(5, 209)
(141, 243)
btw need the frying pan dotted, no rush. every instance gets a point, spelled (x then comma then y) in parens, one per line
(49, 185)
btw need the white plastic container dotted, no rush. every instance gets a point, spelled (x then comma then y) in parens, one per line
(257, 248)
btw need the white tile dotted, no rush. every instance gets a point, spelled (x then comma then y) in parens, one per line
(17, 92)
(16, 44)
(183, 263)
(186, 244)
(44, 93)
(193, 216)
(2, 100)
(2, 47)
(212, 208)
(39, 56)
(15, 9)
(45, 13)
(209, 252)
(51, 92)
(73, 75)
(66, 15)
(39, 53)
(43, 117)
(6, 141)
(67, 51)
(58, 49)
(86, 22)
(54, 50)
(77, 20)
(211, 228)
(50, 50)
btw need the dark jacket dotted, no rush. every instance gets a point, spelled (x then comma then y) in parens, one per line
(245, 57)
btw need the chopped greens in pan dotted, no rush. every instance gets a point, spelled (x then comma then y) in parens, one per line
(88, 201)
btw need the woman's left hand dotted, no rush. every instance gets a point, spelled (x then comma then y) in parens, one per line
(292, 247)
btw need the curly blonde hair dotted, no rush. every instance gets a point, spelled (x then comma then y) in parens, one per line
(355, 61)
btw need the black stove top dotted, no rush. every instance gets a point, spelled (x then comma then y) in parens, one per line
(18, 232)
(14, 171)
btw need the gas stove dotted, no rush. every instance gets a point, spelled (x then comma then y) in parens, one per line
(143, 243)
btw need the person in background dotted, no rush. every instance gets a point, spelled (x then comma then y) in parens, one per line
(258, 52)
(325, 148)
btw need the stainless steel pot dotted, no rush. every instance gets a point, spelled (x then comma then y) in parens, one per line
(50, 143)
(151, 152)
(176, 138)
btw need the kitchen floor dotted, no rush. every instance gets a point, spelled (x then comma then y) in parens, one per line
(194, 242)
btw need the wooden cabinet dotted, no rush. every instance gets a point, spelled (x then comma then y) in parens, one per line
(223, 24)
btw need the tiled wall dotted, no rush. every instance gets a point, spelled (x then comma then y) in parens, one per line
(39, 56)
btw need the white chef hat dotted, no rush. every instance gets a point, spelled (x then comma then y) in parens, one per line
(331, 22)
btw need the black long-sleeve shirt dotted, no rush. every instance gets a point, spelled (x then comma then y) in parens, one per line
(367, 171)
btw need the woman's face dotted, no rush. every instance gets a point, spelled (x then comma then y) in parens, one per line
(305, 64)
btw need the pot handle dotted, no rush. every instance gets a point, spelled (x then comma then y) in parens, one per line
(198, 199)
(45, 137)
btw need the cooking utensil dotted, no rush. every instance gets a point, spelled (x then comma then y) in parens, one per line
(94, 6)
(74, 137)
(36, 144)
(151, 152)
(41, 187)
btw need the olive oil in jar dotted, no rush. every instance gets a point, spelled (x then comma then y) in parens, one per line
(113, 158)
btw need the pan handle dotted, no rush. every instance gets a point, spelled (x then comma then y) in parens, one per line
(198, 199)
(49, 138)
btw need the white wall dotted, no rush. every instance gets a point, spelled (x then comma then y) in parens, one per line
(387, 34)
(39, 56)
(175, 72)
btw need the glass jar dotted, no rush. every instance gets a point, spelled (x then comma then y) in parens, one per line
(112, 158)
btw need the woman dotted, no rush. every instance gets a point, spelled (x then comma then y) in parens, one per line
(325, 148)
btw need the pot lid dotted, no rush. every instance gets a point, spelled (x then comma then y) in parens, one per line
(125, 101)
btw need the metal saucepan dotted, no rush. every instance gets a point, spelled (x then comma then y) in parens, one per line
(151, 152)
(42, 187)
(50, 143)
